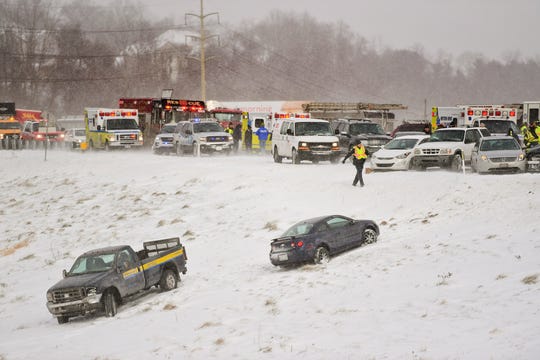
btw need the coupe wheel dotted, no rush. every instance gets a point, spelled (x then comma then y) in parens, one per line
(110, 305)
(369, 236)
(277, 158)
(322, 256)
(62, 319)
(168, 280)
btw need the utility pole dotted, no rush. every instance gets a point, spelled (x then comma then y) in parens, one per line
(202, 43)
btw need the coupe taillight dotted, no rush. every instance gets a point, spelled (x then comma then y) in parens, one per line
(297, 244)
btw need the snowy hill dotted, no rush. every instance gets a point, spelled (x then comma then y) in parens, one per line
(455, 273)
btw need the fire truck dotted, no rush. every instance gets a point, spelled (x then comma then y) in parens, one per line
(154, 113)
(112, 128)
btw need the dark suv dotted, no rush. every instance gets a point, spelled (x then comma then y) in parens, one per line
(371, 134)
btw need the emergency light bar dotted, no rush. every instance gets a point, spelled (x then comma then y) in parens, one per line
(118, 113)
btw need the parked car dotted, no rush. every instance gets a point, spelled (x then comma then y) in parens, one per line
(496, 154)
(204, 136)
(417, 126)
(397, 154)
(73, 138)
(164, 141)
(370, 133)
(533, 159)
(316, 239)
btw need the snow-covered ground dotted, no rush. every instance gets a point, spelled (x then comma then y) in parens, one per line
(455, 273)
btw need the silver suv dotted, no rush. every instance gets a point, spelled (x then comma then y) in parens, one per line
(201, 137)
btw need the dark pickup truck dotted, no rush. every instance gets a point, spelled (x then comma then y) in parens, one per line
(101, 279)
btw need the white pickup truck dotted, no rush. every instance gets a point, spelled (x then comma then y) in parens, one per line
(447, 148)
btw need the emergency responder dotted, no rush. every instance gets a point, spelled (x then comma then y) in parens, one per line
(537, 132)
(230, 129)
(528, 137)
(360, 154)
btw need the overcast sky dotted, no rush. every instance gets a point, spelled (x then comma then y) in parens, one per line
(494, 28)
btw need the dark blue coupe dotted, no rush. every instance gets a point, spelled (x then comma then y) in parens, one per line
(315, 240)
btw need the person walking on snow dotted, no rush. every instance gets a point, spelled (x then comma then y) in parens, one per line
(359, 153)
(262, 134)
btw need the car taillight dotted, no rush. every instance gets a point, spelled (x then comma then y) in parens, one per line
(297, 244)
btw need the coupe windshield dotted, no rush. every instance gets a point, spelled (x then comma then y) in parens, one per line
(92, 264)
(365, 128)
(312, 128)
(207, 127)
(448, 135)
(499, 144)
(122, 124)
(298, 229)
(401, 144)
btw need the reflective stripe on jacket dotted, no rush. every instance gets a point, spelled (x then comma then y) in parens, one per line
(360, 152)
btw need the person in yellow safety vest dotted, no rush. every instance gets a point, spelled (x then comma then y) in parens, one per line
(537, 132)
(230, 129)
(528, 137)
(360, 154)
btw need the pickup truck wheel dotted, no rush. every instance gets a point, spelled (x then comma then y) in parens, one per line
(369, 236)
(110, 305)
(277, 158)
(322, 256)
(168, 280)
(295, 158)
(62, 319)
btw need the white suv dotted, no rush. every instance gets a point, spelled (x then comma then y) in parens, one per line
(447, 147)
(304, 139)
(205, 136)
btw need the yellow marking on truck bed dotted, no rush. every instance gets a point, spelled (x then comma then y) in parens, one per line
(162, 259)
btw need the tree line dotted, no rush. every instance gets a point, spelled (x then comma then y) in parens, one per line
(64, 58)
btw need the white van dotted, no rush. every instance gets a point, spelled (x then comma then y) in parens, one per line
(304, 139)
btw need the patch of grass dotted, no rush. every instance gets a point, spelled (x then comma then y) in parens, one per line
(28, 257)
(220, 341)
(208, 324)
(500, 277)
(530, 280)
(169, 307)
(161, 223)
(444, 279)
(270, 226)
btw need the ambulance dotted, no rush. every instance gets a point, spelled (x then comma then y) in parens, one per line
(112, 128)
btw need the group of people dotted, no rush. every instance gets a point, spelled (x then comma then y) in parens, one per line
(531, 134)
(236, 132)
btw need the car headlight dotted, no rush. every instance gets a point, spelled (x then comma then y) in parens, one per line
(1, 136)
(62, 136)
(484, 157)
(521, 157)
(91, 291)
(112, 137)
(404, 155)
(334, 144)
(39, 136)
(303, 144)
(49, 296)
(230, 138)
(203, 139)
(417, 151)
(140, 137)
(446, 151)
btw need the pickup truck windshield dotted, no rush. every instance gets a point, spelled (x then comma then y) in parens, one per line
(312, 128)
(95, 263)
(207, 127)
(122, 124)
(365, 128)
(448, 135)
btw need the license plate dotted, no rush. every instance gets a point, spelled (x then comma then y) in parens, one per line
(503, 165)
(283, 257)
(127, 146)
(219, 148)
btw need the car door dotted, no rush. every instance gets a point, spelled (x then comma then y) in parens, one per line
(342, 234)
(474, 155)
(131, 271)
(471, 137)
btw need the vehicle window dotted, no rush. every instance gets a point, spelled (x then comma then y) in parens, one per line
(121, 124)
(125, 260)
(448, 135)
(499, 144)
(259, 122)
(284, 127)
(92, 263)
(80, 132)
(312, 128)
(290, 126)
(204, 127)
(168, 129)
(485, 132)
(298, 229)
(365, 128)
(400, 144)
(423, 141)
(471, 136)
(337, 222)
